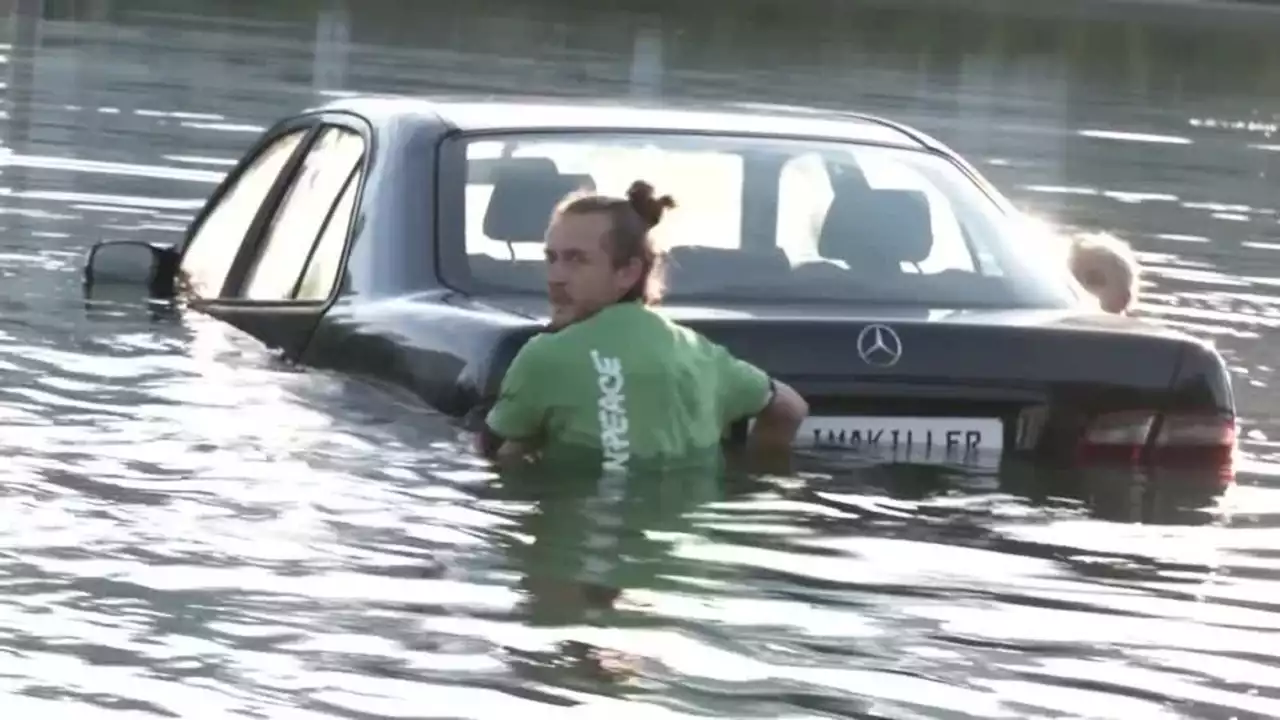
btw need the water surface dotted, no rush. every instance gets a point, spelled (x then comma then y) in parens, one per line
(195, 530)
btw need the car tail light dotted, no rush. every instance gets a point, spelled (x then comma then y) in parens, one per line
(1180, 439)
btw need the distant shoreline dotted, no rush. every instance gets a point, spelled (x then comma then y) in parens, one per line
(1212, 11)
(1073, 7)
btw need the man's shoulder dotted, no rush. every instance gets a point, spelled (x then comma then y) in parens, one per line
(537, 345)
(537, 353)
(620, 319)
(555, 346)
(634, 327)
(690, 339)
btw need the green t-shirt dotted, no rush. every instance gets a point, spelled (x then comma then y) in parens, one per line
(629, 382)
(622, 536)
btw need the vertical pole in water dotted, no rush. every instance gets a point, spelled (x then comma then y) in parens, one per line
(24, 22)
(332, 46)
(647, 60)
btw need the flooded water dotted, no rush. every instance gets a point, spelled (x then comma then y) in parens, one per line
(193, 530)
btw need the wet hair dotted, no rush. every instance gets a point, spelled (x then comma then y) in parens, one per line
(628, 238)
(1105, 265)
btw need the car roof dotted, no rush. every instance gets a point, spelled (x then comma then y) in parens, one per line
(479, 114)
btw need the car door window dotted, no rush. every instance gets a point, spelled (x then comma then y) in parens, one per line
(322, 271)
(298, 221)
(216, 242)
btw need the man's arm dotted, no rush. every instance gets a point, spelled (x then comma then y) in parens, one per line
(487, 442)
(777, 422)
(512, 426)
(491, 446)
(749, 392)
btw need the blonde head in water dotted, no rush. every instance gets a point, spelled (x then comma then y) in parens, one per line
(1107, 268)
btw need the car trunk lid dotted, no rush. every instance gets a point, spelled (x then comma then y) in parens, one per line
(947, 381)
(997, 353)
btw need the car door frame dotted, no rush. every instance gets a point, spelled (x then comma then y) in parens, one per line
(285, 325)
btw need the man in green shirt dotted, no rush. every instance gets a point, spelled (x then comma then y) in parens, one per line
(616, 376)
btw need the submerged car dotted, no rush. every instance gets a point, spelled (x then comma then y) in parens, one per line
(855, 258)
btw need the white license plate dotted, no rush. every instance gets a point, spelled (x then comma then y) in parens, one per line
(923, 437)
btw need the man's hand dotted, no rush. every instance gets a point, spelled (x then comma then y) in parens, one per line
(514, 452)
(504, 452)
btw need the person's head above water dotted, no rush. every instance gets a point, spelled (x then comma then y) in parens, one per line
(1106, 267)
(599, 252)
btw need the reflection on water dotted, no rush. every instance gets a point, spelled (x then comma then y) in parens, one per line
(195, 529)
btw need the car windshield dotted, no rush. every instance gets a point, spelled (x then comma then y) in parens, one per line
(765, 220)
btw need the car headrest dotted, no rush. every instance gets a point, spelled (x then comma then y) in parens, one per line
(878, 228)
(847, 179)
(525, 192)
(726, 262)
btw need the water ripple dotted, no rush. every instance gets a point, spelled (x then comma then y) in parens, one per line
(194, 528)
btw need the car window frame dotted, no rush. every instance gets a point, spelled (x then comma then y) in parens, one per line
(351, 184)
(269, 137)
(314, 122)
(259, 244)
(452, 269)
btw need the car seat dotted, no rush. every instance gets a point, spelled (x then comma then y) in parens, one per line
(876, 230)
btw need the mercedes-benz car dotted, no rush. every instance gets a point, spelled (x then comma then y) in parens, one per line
(855, 258)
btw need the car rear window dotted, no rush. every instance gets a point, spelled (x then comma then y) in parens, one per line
(766, 220)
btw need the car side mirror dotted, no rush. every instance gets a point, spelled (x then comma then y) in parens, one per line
(132, 262)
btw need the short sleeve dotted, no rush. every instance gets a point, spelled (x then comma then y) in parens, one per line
(744, 388)
(521, 409)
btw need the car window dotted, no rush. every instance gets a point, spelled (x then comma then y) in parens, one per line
(805, 198)
(322, 270)
(815, 221)
(713, 177)
(296, 226)
(213, 248)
